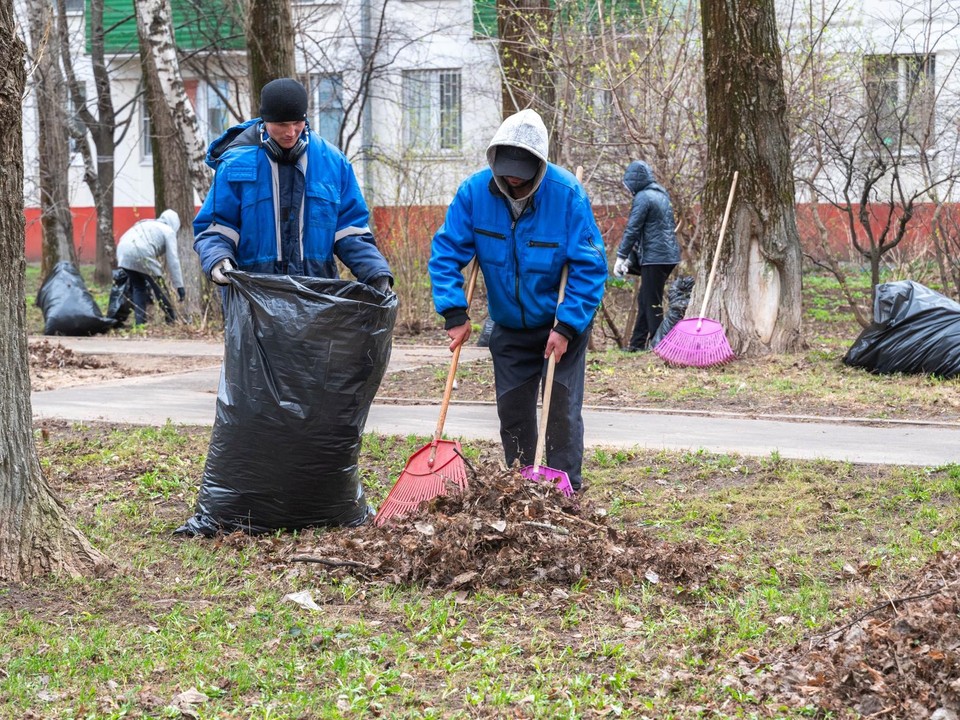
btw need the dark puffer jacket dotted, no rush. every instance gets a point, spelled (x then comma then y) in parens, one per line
(649, 238)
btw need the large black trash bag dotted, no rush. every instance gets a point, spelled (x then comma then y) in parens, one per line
(484, 339)
(120, 305)
(914, 330)
(68, 307)
(303, 360)
(678, 297)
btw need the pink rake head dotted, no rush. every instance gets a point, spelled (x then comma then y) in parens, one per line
(696, 342)
(560, 480)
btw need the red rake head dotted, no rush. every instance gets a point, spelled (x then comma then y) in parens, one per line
(420, 481)
(696, 342)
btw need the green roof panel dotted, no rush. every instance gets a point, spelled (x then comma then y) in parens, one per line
(198, 25)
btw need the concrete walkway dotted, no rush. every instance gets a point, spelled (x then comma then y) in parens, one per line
(190, 399)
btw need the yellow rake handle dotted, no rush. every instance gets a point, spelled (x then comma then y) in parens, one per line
(448, 390)
(716, 255)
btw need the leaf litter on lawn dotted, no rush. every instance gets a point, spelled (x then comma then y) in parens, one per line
(503, 533)
(897, 659)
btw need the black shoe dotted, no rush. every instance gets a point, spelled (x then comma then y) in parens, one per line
(634, 349)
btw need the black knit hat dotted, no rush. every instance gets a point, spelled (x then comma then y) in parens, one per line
(283, 100)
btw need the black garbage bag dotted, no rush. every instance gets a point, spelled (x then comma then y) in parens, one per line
(914, 330)
(68, 307)
(120, 305)
(303, 360)
(678, 299)
(484, 339)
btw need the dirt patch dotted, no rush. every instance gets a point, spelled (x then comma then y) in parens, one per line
(54, 366)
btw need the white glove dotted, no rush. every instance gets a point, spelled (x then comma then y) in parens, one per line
(217, 274)
(620, 267)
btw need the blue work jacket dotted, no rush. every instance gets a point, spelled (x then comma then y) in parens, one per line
(522, 259)
(239, 217)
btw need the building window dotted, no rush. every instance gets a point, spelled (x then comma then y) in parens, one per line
(326, 106)
(74, 7)
(432, 110)
(146, 136)
(900, 99)
(215, 113)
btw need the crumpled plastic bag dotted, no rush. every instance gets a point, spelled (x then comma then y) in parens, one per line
(914, 330)
(68, 307)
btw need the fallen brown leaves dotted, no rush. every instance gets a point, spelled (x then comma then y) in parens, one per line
(899, 659)
(505, 533)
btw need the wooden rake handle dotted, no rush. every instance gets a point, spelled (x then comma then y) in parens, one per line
(551, 368)
(716, 254)
(452, 374)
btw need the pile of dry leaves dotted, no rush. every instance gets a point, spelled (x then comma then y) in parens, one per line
(505, 532)
(900, 659)
(45, 355)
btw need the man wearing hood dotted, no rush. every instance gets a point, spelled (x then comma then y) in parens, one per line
(649, 249)
(138, 254)
(284, 200)
(525, 219)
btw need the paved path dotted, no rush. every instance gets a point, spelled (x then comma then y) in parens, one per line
(190, 399)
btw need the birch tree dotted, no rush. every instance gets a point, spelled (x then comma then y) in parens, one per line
(36, 537)
(174, 125)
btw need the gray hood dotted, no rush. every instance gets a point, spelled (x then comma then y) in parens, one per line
(526, 130)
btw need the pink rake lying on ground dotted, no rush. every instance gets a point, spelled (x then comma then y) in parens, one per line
(700, 341)
(439, 464)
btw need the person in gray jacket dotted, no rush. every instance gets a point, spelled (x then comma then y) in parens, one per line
(138, 254)
(649, 249)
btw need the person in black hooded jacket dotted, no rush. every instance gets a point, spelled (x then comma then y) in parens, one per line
(649, 249)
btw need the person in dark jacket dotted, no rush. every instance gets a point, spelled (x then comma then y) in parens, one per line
(524, 219)
(284, 201)
(649, 249)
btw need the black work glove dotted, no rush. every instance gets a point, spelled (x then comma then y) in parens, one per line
(181, 294)
(382, 284)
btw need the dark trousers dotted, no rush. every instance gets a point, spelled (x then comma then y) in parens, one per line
(653, 278)
(141, 288)
(519, 368)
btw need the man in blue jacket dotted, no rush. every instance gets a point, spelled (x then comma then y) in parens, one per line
(649, 249)
(284, 201)
(525, 218)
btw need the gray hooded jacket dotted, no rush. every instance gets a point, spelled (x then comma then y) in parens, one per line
(140, 247)
(649, 238)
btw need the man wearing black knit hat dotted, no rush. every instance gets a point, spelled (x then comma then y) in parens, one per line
(284, 201)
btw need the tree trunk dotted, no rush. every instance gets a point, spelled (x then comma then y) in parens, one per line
(525, 28)
(54, 141)
(35, 535)
(269, 34)
(757, 292)
(175, 127)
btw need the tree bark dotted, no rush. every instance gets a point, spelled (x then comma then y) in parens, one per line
(35, 535)
(179, 149)
(757, 292)
(525, 28)
(54, 141)
(269, 32)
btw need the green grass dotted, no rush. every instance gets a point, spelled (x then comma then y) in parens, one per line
(210, 616)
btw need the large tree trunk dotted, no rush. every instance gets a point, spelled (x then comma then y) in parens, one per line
(35, 535)
(757, 293)
(269, 31)
(179, 149)
(54, 142)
